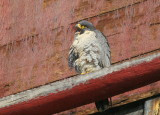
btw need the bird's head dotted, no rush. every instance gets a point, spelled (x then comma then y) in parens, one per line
(84, 25)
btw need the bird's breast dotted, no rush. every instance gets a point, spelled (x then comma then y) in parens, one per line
(87, 46)
(84, 40)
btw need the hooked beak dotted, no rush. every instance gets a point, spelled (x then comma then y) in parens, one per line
(78, 26)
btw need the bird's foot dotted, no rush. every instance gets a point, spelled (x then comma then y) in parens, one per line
(84, 73)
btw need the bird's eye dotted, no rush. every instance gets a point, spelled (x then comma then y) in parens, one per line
(82, 27)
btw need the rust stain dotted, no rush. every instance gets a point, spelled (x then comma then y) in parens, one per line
(47, 3)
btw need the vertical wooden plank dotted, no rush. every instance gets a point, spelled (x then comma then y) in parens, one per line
(152, 106)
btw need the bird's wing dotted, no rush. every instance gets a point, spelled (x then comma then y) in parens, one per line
(72, 56)
(105, 57)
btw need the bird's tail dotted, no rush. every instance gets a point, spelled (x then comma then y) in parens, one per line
(103, 104)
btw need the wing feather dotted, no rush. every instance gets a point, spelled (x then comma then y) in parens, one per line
(73, 56)
(106, 56)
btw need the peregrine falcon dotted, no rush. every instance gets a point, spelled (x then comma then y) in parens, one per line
(89, 52)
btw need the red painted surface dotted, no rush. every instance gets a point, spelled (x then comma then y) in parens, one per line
(94, 90)
(36, 35)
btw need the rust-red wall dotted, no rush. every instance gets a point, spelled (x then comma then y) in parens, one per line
(35, 36)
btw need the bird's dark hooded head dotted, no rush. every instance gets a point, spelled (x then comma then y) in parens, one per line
(84, 25)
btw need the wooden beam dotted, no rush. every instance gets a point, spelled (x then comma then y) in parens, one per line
(79, 90)
(152, 106)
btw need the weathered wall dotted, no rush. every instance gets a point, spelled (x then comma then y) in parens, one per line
(35, 36)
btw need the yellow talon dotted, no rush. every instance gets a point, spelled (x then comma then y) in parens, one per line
(82, 73)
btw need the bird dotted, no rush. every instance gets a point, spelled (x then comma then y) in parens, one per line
(89, 52)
